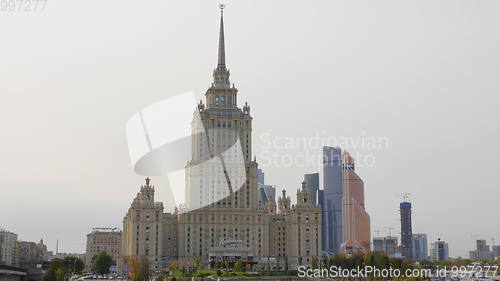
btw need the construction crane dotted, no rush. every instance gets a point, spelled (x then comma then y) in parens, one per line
(405, 196)
(475, 236)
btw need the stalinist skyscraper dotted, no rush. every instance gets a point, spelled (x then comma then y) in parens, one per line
(223, 219)
(221, 170)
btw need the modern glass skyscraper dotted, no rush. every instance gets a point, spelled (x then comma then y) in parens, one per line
(332, 200)
(406, 230)
(260, 176)
(420, 246)
(312, 185)
(356, 221)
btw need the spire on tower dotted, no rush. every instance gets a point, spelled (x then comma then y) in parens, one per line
(220, 94)
(221, 62)
(221, 73)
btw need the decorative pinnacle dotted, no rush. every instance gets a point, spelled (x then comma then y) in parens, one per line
(222, 52)
(147, 181)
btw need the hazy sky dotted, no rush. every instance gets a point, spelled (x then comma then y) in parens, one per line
(421, 74)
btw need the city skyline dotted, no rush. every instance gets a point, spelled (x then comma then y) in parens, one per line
(84, 110)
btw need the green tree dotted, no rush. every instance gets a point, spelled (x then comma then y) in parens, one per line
(238, 266)
(324, 262)
(49, 275)
(144, 272)
(427, 264)
(101, 263)
(139, 269)
(407, 264)
(60, 272)
(73, 264)
(395, 262)
(338, 260)
(60, 268)
(314, 263)
(355, 260)
(197, 263)
(369, 259)
(382, 261)
(182, 266)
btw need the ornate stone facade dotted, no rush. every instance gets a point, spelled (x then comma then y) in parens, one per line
(223, 219)
(148, 231)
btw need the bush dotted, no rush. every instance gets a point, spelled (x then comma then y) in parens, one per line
(204, 273)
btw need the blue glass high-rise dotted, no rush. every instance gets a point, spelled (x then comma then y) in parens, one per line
(331, 203)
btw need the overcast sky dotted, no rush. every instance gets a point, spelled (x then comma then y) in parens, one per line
(423, 75)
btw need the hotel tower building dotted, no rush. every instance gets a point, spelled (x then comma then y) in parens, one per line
(223, 219)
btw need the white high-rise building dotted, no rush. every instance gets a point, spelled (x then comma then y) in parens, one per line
(224, 219)
(8, 248)
(420, 251)
(439, 251)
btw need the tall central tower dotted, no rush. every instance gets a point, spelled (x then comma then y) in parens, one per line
(406, 230)
(223, 219)
(221, 173)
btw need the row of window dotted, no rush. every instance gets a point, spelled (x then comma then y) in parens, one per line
(224, 99)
